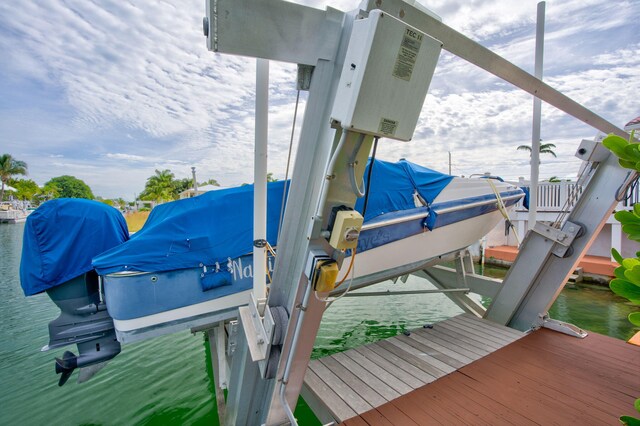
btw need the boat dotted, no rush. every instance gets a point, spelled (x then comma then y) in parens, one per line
(14, 211)
(191, 263)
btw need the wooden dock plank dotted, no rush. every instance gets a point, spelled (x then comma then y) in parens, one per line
(370, 379)
(451, 343)
(425, 357)
(402, 364)
(486, 329)
(412, 359)
(531, 377)
(369, 376)
(355, 384)
(353, 400)
(490, 410)
(454, 335)
(442, 348)
(324, 394)
(471, 335)
(446, 359)
(388, 366)
(508, 331)
(374, 418)
(418, 413)
(542, 378)
(392, 381)
(396, 416)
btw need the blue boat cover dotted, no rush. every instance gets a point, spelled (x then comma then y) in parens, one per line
(218, 225)
(393, 185)
(186, 233)
(62, 236)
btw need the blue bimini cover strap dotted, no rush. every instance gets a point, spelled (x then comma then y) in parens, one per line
(192, 232)
(62, 236)
(393, 185)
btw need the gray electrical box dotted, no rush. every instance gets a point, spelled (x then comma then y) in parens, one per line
(387, 71)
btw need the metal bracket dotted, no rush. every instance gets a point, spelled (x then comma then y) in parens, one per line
(562, 327)
(232, 337)
(305, 73)
(259, 331)
(254, 329)
(259, 243)
(563, 238)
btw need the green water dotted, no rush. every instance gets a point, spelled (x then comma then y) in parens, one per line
(168, 380)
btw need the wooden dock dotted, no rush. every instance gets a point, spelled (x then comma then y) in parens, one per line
(356, 381)
(470, 371)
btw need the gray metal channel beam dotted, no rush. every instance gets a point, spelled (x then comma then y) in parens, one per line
(537, 275)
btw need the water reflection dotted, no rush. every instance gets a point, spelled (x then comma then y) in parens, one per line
(168, 380)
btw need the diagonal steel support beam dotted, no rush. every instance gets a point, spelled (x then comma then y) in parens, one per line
(544, 263)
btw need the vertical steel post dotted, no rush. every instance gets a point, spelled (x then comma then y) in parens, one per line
(260, 179)
(537, 112)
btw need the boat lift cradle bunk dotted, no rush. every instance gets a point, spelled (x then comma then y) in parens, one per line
(352, 68)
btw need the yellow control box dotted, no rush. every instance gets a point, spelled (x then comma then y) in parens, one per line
(346, 229)
(325, 276)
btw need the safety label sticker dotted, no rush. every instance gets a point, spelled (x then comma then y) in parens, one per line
(406, 60)
(388, 126)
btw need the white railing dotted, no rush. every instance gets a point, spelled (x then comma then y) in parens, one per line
(563, 196)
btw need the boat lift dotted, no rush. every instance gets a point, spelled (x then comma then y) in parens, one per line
(274, 338)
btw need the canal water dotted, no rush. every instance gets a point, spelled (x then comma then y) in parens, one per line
(168, 381)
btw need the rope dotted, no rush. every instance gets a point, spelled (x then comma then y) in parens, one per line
(503, 209)
(286, 174)
(273, 253)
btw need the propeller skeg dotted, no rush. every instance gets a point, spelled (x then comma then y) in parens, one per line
(65, 366)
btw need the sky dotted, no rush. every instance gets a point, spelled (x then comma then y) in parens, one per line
(111, 90)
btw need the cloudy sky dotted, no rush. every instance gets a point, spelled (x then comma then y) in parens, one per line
(110, 90)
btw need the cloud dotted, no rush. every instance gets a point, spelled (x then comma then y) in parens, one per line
(119, 89)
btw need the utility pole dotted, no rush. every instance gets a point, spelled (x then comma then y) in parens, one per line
(449, 162)
(195, 182)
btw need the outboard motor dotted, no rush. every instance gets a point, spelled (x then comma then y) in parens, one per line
(60, 239)
(84, 321)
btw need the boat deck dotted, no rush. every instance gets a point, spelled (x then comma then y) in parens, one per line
(486, 375)
(356, 381)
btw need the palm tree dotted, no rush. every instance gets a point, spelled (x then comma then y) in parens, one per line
(159, 187)
(10, 167)
(545, 148)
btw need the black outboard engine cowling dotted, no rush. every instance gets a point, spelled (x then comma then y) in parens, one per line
(84, 321)
(60, 239)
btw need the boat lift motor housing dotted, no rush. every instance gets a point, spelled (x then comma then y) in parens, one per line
(385, 77)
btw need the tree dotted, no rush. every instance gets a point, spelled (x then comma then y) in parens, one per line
(180, 185)
(68, 187)
(108, 202)
(159, 187)
(9, 167)
(212, 182)
(270, 177)
(26, 189)
(545, 148)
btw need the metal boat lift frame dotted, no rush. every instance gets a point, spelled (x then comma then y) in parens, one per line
(282, 31)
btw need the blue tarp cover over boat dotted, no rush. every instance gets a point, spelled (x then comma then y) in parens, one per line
(393, 185)
(218, 225)
(62, 236)
(194, 231)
